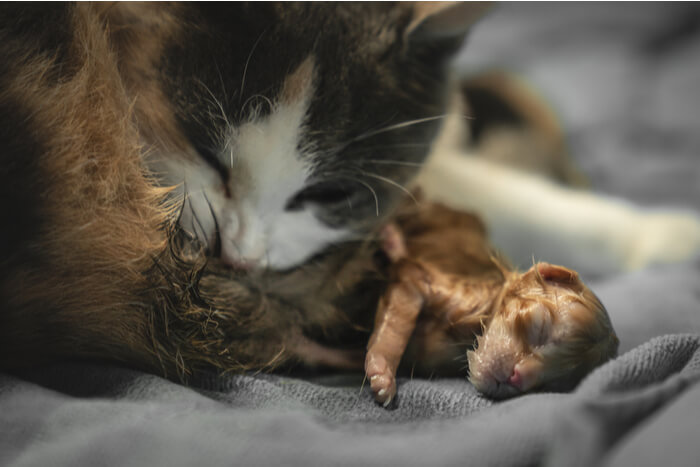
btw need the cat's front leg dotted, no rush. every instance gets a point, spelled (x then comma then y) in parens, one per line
(529, 216)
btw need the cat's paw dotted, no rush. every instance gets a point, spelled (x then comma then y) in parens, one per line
(664, 237)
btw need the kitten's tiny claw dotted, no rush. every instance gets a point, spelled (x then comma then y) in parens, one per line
(382, 382)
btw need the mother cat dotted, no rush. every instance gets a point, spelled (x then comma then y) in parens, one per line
(159, 162)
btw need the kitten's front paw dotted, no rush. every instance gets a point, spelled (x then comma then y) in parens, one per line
(662, 238)
(381, 378)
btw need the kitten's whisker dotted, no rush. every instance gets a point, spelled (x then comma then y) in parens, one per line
(362, 386)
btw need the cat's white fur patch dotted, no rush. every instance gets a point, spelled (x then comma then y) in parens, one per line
(267, 153)
(268, 166)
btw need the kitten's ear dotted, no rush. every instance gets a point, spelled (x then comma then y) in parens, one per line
(444, 20)
(557, 274)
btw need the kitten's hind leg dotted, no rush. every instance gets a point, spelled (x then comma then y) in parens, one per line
(528, 216)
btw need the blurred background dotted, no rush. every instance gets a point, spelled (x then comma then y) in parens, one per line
(624, 80)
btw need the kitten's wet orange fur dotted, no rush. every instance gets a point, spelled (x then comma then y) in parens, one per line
(539, 329)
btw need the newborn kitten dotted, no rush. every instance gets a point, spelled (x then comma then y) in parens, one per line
(541, 329)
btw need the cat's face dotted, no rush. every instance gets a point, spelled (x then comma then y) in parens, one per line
(303, 121)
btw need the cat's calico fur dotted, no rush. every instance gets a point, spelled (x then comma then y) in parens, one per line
(159, 162)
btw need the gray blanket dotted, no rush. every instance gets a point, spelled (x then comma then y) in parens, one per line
(97, 415)
(624, 79)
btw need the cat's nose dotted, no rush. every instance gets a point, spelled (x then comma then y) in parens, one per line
(242, 242)
(231, 256)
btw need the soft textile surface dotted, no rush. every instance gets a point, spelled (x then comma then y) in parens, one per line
(107, 416)
(624, 79)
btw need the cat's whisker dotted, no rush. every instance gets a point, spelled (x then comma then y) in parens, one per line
(257, 109)
(185, 201)
(349, 175)
(374, 194)
(217, 230)
(247, 62)
(396, 126)
(228, 147)
(391, 162)
(221, 80)
(391, 182)
(366, 185)
(215, 101)
(182, 205)
(201, 227)
(393, 146)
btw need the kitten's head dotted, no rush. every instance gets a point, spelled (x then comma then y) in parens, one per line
(304, 121)
(547, 333)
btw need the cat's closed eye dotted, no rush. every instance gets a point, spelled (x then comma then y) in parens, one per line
(209, 155)
(323, 193)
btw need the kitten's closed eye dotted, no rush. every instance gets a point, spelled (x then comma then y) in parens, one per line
(540, 322)
(325, 193)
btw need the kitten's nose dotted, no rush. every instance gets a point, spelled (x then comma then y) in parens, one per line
(516, 379)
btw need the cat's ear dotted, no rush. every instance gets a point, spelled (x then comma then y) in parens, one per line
(443, 20)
